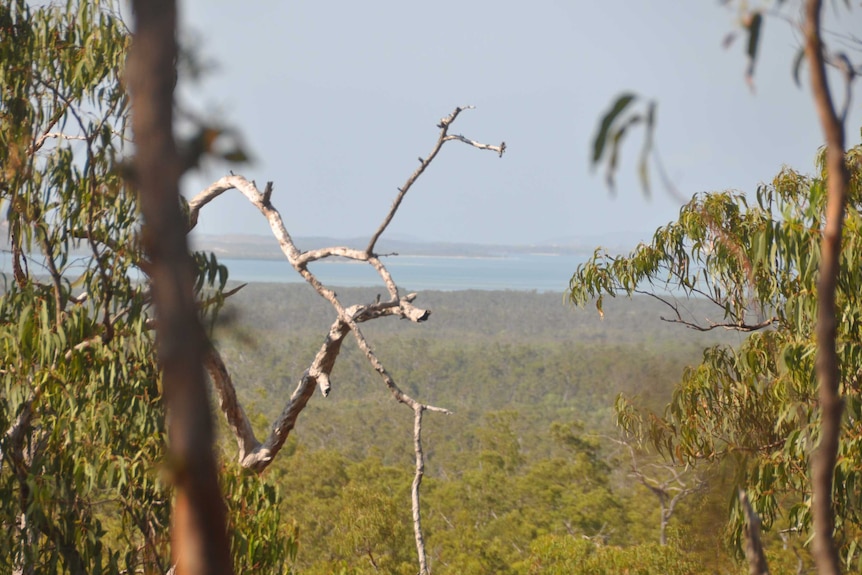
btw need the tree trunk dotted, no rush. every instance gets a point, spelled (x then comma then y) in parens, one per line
(199, 537)
(828, 372)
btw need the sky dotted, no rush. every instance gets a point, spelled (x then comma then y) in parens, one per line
(337, 100)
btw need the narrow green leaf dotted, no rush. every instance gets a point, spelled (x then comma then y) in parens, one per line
(621, 103)
(237, 155)
(616, 140)
(797, 66)
(643, 163)
(754, 26)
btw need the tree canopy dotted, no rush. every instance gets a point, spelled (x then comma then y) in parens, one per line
(81, 479)
(86, 481)
(755, 405)
(820, 55)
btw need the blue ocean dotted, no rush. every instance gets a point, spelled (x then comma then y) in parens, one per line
(527, 272)
(521, 272)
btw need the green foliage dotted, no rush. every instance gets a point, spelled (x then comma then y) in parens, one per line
(510, 464)
(82, 423)
(556, 555)
(481, 517)
(754, 403)
(262, 541)
(81, 488)
(349, 514)
(611, 133)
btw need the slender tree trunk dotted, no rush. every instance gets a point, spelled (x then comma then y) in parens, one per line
(757, 564)
(199, 538)
(662, 538)
(19, 453)
(828, 369)
(417, 481)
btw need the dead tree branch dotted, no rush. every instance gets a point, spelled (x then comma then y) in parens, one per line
(738, 323)
(827, 366)
(414, 492)
(423, 163)
(753, 546)
(257, 455)
(669, 491)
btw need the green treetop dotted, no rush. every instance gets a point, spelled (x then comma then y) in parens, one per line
(755, 404)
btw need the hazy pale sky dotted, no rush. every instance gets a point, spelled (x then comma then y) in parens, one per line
(336, 100)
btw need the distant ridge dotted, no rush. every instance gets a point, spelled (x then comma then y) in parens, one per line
(242, 246)
(251, 246)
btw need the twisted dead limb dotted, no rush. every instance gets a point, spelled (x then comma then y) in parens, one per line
(753, 545)
(257, 455)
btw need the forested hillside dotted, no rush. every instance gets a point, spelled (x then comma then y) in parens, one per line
(479, 352)
(556, 440)
(528, 454)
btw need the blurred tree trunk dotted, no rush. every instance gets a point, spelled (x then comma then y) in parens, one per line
(199, 538)
(828, 369)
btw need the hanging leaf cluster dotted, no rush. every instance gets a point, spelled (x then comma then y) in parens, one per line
(613, 126)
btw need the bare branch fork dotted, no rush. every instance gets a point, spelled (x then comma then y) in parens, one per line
(738, 325)
(257, 455)
(424, 162)
(757, 564)
(669, 491)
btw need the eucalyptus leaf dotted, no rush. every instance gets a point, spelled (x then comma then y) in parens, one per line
(604, 131)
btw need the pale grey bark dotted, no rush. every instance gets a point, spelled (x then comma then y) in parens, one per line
(414, 492)
(753, 545)
(676, 484)
(18, 457)
(257, 455)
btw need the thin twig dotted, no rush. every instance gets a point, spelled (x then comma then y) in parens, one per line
(738, 325)
(56, 280)
(423, 163)
(256, 455)
(669, 491)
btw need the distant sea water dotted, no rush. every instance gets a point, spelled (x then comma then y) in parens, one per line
(521, 272)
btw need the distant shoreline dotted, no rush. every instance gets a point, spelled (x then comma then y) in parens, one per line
(268, 256)
(248, 247)
(515, 272)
